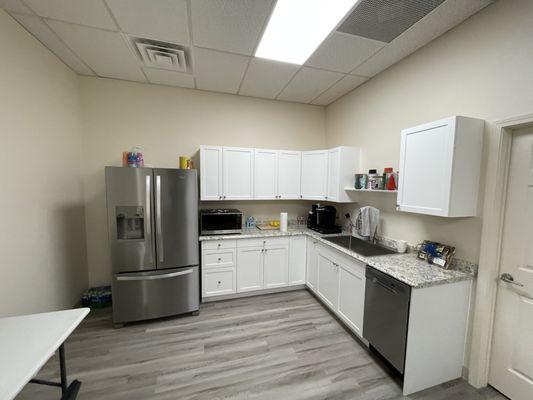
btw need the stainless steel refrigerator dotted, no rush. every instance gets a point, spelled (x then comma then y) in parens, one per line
(153, 237)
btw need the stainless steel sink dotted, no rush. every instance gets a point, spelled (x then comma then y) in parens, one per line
(359, 246)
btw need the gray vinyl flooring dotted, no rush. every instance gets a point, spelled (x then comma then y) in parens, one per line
(279, 346)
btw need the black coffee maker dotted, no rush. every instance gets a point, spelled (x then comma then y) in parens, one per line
(322, 219)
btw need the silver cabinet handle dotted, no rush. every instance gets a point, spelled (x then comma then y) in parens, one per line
(509, 279)
(149, 215)
(160, 248)
(153, 277)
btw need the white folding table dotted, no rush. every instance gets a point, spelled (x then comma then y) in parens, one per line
(27, 342)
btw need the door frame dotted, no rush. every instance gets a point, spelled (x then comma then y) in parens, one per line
(496, 179)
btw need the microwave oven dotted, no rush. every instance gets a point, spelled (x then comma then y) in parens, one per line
(220, 221)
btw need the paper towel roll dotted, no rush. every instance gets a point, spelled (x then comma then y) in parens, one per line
(283, 221)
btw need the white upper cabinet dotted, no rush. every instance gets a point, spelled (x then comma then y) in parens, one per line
(237, 173)
(211, 172)
(314, 174)
(343, 163)
(265, 174)
(289, 172)
(440, 166)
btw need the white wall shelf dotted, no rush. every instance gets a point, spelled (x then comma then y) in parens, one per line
(351, 189)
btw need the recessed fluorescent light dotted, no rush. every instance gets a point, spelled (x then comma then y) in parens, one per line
(297, 27)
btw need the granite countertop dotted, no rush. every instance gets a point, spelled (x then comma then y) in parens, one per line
(405, 267)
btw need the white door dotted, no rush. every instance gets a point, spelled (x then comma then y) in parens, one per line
(426, 156)
(210, 173)
(311, 276)
(276, 267)
(249, 269)
(314, 174)
(289, 174)
(328, 281)
(334, 160)
(237, 173)
(511, 370)
(352, 296)
(265, 174)
(297, 253)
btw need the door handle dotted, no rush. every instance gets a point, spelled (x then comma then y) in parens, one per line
(153, 277)
(508, 278)
(160, 247)
(148, 214)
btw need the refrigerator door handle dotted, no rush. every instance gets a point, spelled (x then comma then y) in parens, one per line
(149, 213)
(160, 247)
(153, 277)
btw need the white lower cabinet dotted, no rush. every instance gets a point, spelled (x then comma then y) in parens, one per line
(276, 267)
(250, 269)
(311, 275)
(218, 281)
(297, 257)
(328, 280)
(340, 285)
(352, 296)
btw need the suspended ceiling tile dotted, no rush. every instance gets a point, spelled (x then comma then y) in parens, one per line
(346, 84)
(46, 36)
(342, 52)
(15, 6)
(266, 78)
(85, 12)
(229, 25)
(105, 52)
(218, 71)
(443, 18)
(154, 19)
(164, 77)
(307, 84)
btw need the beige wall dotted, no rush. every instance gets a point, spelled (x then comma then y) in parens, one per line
(168, 122)
(482, 68)
(42, 240)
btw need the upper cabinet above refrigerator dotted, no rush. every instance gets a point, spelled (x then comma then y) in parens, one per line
(440, 165)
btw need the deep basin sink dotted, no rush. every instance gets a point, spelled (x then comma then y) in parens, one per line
(359, 246)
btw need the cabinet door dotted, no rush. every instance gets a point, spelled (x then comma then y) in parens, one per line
(249, 269)
(426, 159)
(328, 281)
(311, 275)
(289, 174)
(297, 253)
(314, 174)
(237, 177)
(210, 173)
(265, 174)
(218, 282)
(352, 296)
(334, 159)
(276, 267)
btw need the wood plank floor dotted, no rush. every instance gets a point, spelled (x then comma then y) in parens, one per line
(279, 346)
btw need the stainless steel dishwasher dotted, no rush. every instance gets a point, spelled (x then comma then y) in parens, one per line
(386, 316)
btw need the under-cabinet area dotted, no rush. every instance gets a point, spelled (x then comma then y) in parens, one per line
(436, 302)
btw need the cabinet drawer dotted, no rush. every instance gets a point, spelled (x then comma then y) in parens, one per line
(218, 258)
(218, 244)
(219, 281)
(265, 242)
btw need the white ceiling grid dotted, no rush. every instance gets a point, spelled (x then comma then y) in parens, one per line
(94, 37)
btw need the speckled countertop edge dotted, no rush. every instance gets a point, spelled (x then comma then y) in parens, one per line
(406, 268)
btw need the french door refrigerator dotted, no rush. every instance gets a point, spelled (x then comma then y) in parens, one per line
(153, 238)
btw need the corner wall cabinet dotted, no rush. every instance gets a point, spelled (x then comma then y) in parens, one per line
(236, 173)
(440, 165)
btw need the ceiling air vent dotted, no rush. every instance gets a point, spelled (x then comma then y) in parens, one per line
(384, 20)
(162, 55)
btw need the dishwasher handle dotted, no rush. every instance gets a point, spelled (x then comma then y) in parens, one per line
(388, 283)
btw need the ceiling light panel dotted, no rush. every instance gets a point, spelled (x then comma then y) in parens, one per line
(297, 27)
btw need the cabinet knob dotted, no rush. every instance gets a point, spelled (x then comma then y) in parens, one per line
(219, 259)
(218, 283)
